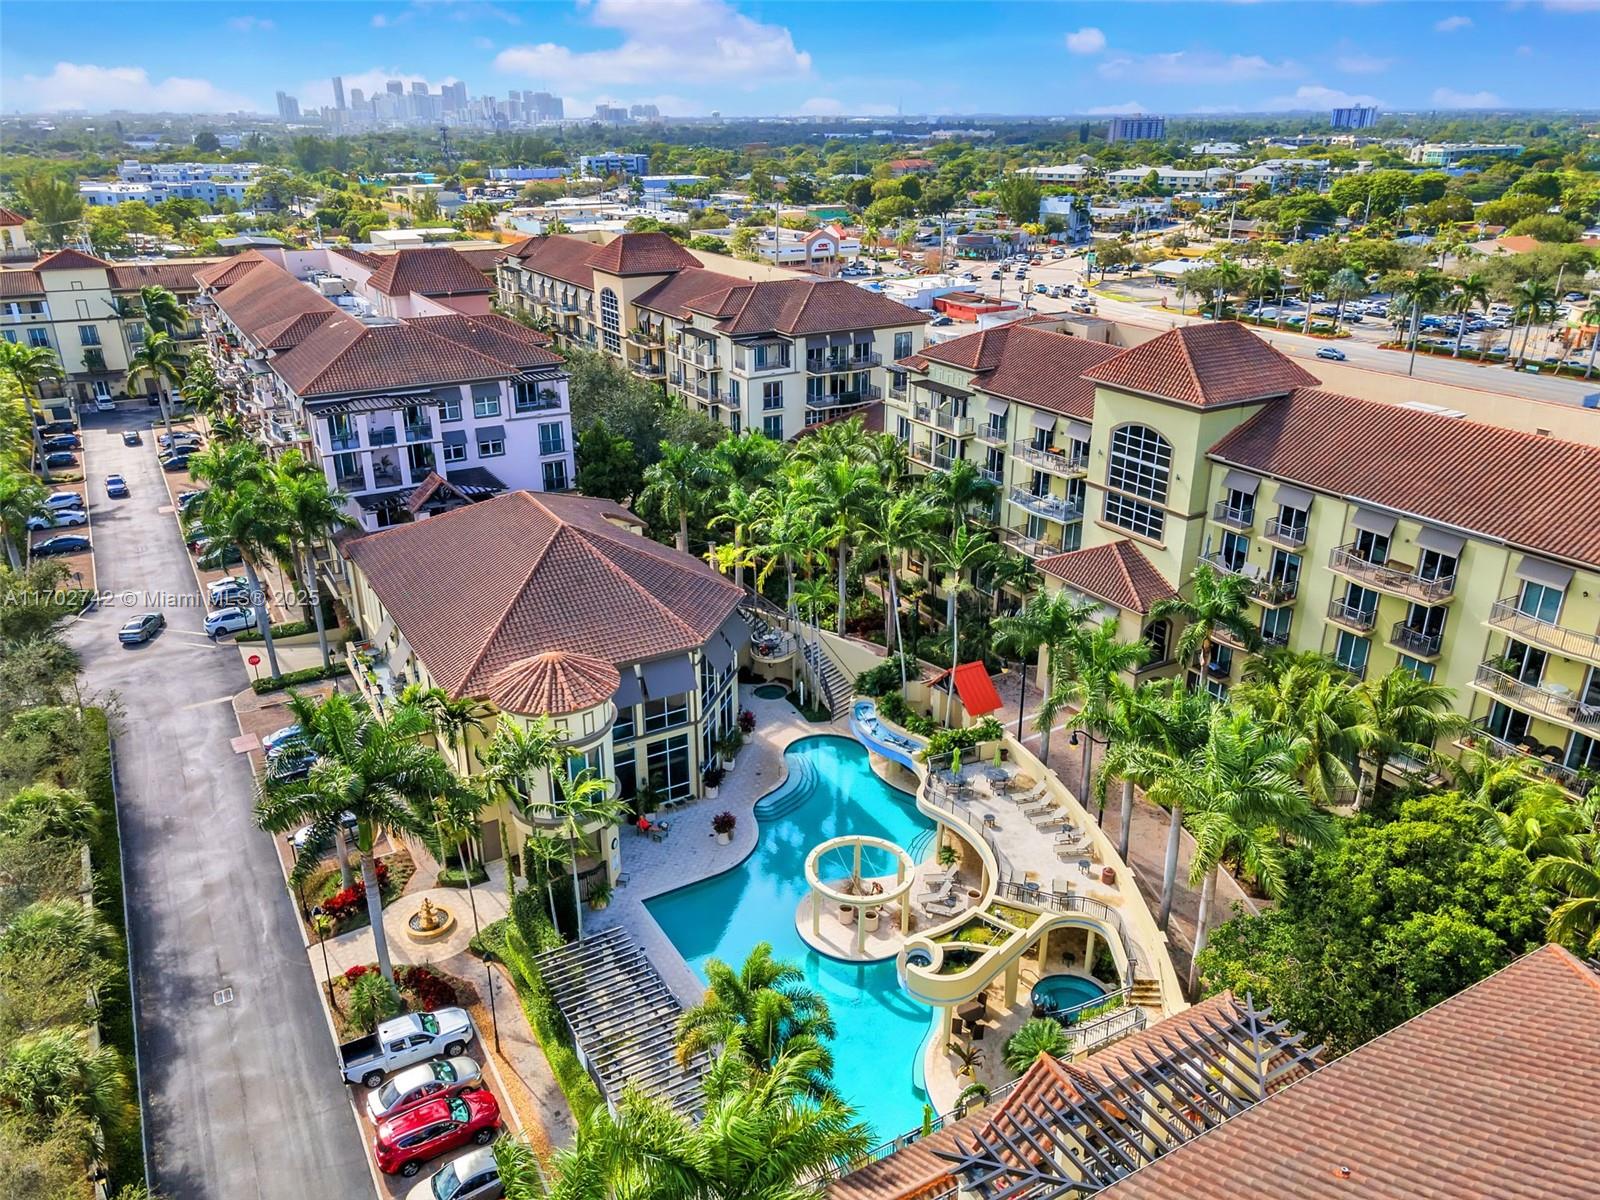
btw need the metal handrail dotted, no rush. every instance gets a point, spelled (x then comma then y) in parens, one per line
(1505, 614)
(1068, 902)
(1543, 700)
(1236, 518)
(1361, 618)
(1281, 531)
(1056, 508)
(1065, 462)
(1415, 641)
(1345, 560)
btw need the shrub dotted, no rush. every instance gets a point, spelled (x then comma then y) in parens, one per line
(747, 722)
(893, 706)
(1038, 1036)
(373, 999)
(885, 677)
(723, 822)
(713, 776)
(455, 877)
(946, 740)
(293, 678)
(431, 990)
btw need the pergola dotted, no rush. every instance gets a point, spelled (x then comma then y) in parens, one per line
(904, 876)
(623, 1019)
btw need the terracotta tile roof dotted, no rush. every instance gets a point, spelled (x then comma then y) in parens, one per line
(7, 217)
(674, 294)
(1116, 572)
(1207, 365)
(360, 257)
(642, 254)
(15, 283)
(1492, 1095)
(291, 332)
(1037, 367)
(174, 276)
(229, 271)
(342, 355)
(553, 683)
(560, 257)
(482, 255)
(796, 307)
(498, 337)
(427, 271)
(483, 587)
(69, 260)
(1522, 488)
(265, 297)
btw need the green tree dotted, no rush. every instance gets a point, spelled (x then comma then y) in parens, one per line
(1217, 602)
(53, 1072)
(28, 368)
(969, 550)
(159, 360)
(1048, 626)
(607, 465)
(1018, 197)
(587, 803)
(52, 201)
(1533, 301)
(1401, 714)
(22, 497)
(313, 512)
(1471, 291)
(903, 523)
(242, 508)
(1038, 1037)
(675, 485)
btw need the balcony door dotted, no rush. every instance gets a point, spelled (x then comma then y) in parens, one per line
(1425, 621)
(1372, 547)
(1526, 663)
(1539, 602)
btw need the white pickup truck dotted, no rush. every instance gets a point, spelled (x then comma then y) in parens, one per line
(412, 1038)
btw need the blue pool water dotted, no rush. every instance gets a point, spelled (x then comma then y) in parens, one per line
(830, 791)
(1060, 992)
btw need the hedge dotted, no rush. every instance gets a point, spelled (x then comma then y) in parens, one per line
(293, 628)
(293, 678)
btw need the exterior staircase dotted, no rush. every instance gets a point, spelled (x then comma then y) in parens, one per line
(1145, 993)
(836, 689)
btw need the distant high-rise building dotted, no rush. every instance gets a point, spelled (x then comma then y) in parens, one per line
(613, 114)
(288, 107)
(356, 98)
(547, 107)
(644, 112)
(419, 88)
(1138, 128)
(395, 87)
(1354, 118)
(338, 93)
(453, 97)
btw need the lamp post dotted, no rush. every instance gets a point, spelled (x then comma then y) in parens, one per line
(488, 966)
(322, 924)
(1088, 739)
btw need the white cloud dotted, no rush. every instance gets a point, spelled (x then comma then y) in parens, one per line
(1087, 40)
(1314, 96)
(827, 106)
(1450, 98)
(1129, 108)
(74, 86)
(1196, 66)
(1451, 24)
(250, 24)
(1357, 63)
(315, 92)
(707, 39)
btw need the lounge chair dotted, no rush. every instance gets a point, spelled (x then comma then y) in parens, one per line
(938, 881)
(1043, 805)
(1053, 826)
(1069, 833)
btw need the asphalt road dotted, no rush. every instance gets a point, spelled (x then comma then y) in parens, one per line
(241, 1099)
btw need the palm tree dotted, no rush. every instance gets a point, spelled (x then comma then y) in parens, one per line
(30, 366)
(48, 1074)
(1008, 571)
(252, 517)
(1266, 280)
(846, 491)
(1096, 688)
(1229, 278)
(1036, 1038)
(313, 513)
(1313, 702)
(586, 801)
(161, 309)
(741, 511)
(201, 389)
(1472, 291)
(762, 1010)
(1573, 872)
(1134, 745)
(1217, 602)
(517, 1164)
(22, 498)
(1591, 320)
(1419, 291)
(676, 483)
(160, 360)
(514, 758)
(1047, 626)
(902, 524)
(969, 550)
(1344, 285)
(371, 768)
(1400, 714)
(957, 491)
(1243, 801)
(1532, 301)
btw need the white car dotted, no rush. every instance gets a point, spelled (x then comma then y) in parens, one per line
(60, 518)
(472, 1176)
(60, 500)
(228, 620)
(429, 1080)
(219, 587)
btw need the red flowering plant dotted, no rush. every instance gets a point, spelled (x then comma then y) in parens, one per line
(431, 991)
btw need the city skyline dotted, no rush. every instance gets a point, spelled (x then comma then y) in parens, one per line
(743, 59)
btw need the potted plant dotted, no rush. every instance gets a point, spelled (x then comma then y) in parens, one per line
(948, 856)
(722, 825)
(747, 722)
(600, 895)
(728, 746)
(712, 778)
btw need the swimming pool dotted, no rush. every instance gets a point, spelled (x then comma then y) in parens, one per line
(772, 691)
(830, 790)
(1058, 993)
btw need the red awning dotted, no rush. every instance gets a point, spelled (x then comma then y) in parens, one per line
(975, 688)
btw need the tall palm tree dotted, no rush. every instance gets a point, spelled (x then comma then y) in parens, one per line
(1471, 291)
(1243, 801)
(1532, 300)
(22, 498)
(741, 511)
(514, 758)
(1418, 292)
(159, 360)
(252, 517)
(366, 766)
(54, 1072)
(1008, 571)
(1344, 285)
(1314, 703)
(1216, 601)
(1574, 875)
(846, 492)
(968, 550)
(1137, 741)
(1229, 277)
(676, 483)
(959, 490)
(29, 367)
(162, 310)
(903, 523)
(313, 512)
(1400, 714)
(1096, 687)
(586, 802)
(1047, 626)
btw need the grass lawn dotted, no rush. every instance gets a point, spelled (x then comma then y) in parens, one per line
(816, 714)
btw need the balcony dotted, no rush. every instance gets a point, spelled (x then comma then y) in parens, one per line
(1030, 546)
(1285, 534)
(647, 370)
(928, 414)
(992, 476)
(1385, 578)
(1221, 562)
(922, 452)
(568, 306)
(1361, 620)
(381, 435)
(832, 364)
(1554, 701)
(1415, 642)
(986, 432)
(845, 399)
(1275, 593)
(897, 392)
(1054, 507)
(745, 364)
(706, 391)
(1234, 518)
(350, 482)
(1507, 617)
(419, 431)
(1277, 638)
(705, 359)
(646, 336)
(1542, 759)
(1058, 462)
(344, 441)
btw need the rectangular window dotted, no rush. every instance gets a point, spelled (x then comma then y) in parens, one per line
(492, 447)
(1421, 670)
(449, 405)
(38, 337)
(773, 427)
(1351, 652)
(902, 429)
(1235, 551)
(772, 395)
(625, 766)
(666, 712)
(455, 452)
(555, 475)
(420, 459)
(1285, 568)
(1372, 547)
(1135, 516)
(1539, 602)
(1275, 626)
(902, 344)
(10, 335)
(668, 766)
(486, 401)
(997, 427)
(552, 439)
(88, 335)
(735, 391)
(622, 729)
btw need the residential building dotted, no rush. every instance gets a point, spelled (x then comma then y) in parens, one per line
(1355, 117)
(611, 114)
(1447, 154)
(1217, 149)
(152, 183)
(768, 354)
(1173, 177)
(84, 308)
(1278, 173)
(1137, 128)
(614, 163)
(288, 108)
(557, 607)
(1067, 173)
(526, 174)
(390, 373)
(899, 167)
(14, 243)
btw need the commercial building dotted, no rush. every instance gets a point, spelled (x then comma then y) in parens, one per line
(1446, 154)
(1137, 128)
(390, 373)
(210, 183)
(806, 248)
(1357, 117)
(768, 354)
(1068, 173)
(598, 166)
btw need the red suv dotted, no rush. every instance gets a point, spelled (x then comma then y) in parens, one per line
(405, 1142)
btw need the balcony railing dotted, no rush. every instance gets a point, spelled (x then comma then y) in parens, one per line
(832, 364)
(929, 414)
(1506, 616)
(1276, 592)
(1221, 562)
(1060, 462)
(706, 391)
(419, 431)
(1350, 615)
(1275, 637)
(1551, 701)
(1414, 641)
(844, 399)
(1031, 546)
(382, 435)
(745, 364)
(1235, 518)
(700, 358)
(993, 476)
(1284, 533)
(568, 306)
(1054, 507)
(1346, 561)
(921, 452)
(344, 441)
(643, 336)
(1547, 765)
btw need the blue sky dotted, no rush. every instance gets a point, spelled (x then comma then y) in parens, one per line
(745, 58)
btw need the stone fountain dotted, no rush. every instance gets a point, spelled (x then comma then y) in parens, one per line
(429, 923)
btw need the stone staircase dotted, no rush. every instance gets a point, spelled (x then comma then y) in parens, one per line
(1145, 993)
(836, 689)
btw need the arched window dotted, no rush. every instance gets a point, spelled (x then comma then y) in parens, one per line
(610, 321)
(1158, 637)
(1137, 479)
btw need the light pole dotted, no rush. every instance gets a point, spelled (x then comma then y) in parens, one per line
(488, 964)
(1088, 740)
(322, 924)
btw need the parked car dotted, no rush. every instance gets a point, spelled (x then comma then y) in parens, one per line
(190, 441)
(472, 1176)
(291, 762)
(436, 1080)
(130, 437)
(116, 487)
(217, 558)
(58, 459)
(404, 1041)
(278, 737)
(229, 592)
(104, 404)
(175, 462)
(1330, 353)
(59, 500)
(59, 518)
(405, 1142)
(188, 499)
(62, 441)
(141, 629)
(298, 840)
(67, 543)
(50, 427)
(228, 620)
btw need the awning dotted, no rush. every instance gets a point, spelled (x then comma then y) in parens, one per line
(1238, 481)
(486, 432)
(1440, 541)
(1044, 420)
(629, 692)
(722, 647)
(1079, 432)
(1372, 521)
(998, 408)
(542, 375)
(665, 677)
(942, 389)
(839, 339)
(1545, 574)
(368, 403)
(1292, 497)
(973, 685)
(455, 437)
(705, 335)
